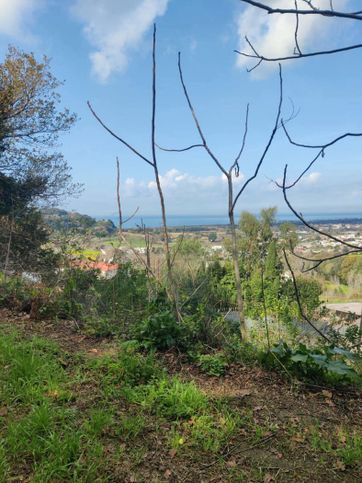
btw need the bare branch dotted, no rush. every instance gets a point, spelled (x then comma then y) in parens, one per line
(298, 50)
(204, 143)
(262, 58)
(321, 153)
(180, 150)
(236, 162)
(266, 149)
(131, 148)
(306, 223)
(313, 11)
(318, 261)
(298, 54)
(321, 146)
(131, 216)
(297, 296)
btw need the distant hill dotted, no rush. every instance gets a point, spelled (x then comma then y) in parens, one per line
(62, 220)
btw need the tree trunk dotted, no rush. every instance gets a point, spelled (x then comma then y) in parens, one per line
(234, 252)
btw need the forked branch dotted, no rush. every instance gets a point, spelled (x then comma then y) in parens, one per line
(297, 12)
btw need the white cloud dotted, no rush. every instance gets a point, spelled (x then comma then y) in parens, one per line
(184, 192)
(176, 180)
(311, 178)
(272, 35)
(15, 16)
(114, 27)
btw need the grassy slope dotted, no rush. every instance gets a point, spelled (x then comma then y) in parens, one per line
(79, 409)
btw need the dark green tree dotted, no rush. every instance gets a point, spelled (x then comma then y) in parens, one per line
(31, 171)
(30, 124)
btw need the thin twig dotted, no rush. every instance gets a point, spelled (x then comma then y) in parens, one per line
(236, 162)
(297, 296)
(306, 223)
(298, 50)
(119, 196)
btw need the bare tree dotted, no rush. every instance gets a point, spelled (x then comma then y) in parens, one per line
(348, 247)
(308, 9)
(232, 170)
(152, 161)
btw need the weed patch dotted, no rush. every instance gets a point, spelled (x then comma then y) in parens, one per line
(170, 398)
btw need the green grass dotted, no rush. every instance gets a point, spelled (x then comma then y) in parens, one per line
(345, 446)
(39, 428)
(44, 427)
(31, 372)
(211, 433)
(84, 417)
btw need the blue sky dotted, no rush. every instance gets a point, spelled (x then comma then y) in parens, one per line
(102, 49)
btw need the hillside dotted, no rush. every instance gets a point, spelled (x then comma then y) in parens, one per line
(62, 220)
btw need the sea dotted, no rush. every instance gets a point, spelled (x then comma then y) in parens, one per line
(219, 220)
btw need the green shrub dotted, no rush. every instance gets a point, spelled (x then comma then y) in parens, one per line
(161, 331)
(212, 364)
(15, 293)
(237, 351)
(78, 293)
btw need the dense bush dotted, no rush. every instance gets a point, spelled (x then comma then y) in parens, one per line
(161, 331)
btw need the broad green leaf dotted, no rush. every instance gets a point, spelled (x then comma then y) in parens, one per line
(299, 358)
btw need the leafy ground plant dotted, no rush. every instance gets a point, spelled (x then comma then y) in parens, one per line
(317, 363)
(212, 364)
